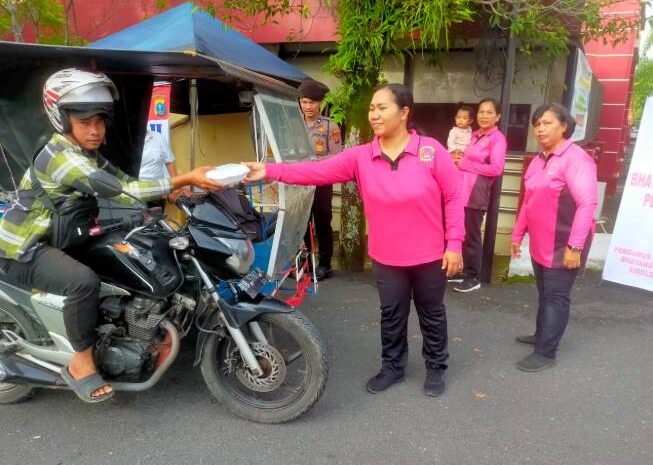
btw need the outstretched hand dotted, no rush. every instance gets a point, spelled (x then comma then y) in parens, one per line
(197, 178)
(256, 171)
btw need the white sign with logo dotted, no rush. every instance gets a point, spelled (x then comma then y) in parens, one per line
(580, 101)
(630, 256)
(159, 118)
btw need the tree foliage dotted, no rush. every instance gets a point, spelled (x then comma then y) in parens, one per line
(45, 15)
(371, 30)
(642, 88)
(548, 27)
(643, 84)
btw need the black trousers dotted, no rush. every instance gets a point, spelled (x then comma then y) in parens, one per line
(473, 245)
(425, 284)
(53, 271)
(554, 288)
(322, 215)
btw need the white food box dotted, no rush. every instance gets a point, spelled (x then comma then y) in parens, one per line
(229, 174)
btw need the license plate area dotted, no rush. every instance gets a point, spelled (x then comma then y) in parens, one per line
(252, 282)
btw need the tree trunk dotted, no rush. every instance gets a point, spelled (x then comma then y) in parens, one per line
(16, 25)
(66, 22)
(352, 226)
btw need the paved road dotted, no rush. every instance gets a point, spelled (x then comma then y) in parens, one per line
(594, 407)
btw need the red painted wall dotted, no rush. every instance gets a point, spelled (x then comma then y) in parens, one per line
(614, 67)
(98, 18)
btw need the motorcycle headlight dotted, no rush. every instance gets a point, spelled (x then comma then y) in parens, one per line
(242, 255)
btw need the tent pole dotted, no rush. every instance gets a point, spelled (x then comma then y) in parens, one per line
(193, 120)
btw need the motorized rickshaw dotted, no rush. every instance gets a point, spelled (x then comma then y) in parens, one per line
(260, 358)
(221, 113)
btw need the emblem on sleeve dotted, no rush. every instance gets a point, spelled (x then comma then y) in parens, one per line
(335, 135)
(426, 153)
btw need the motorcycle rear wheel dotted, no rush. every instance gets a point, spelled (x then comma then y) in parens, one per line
(297, 358)
(26, 328)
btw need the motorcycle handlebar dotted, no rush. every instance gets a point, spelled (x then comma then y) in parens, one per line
(129, 222)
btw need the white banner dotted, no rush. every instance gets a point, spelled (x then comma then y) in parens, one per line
(630, 256)
(580, 101)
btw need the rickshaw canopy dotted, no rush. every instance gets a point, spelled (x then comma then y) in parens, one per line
(24, 128)
(187, 28)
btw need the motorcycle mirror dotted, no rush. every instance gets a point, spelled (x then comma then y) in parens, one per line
(104, 184)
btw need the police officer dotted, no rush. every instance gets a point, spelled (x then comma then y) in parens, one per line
(326, 140)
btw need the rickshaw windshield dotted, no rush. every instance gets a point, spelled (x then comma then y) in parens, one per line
(286, 126)
(281, 134)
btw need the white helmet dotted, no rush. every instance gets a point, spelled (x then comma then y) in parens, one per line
(82, 93)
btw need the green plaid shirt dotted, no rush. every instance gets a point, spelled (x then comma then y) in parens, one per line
(62, 168)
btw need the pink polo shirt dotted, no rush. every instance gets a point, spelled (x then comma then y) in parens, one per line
(482, 162)
(559, 204)
(403, 201)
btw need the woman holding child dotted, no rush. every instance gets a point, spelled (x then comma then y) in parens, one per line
(480, 164)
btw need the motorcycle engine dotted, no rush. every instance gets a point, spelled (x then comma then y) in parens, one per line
(127, 351)
(124, 357)
(143, 316)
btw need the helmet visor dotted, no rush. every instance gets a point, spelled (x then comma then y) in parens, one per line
(86, 110)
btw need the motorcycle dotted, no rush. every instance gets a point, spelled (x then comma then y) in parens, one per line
(261, 359)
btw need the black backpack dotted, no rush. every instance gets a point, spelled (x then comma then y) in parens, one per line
(238, 207)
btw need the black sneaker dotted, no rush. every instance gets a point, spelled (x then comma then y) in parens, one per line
(535, 362)
(457, 278)
(434, 383)
(527, 339)
(381, 382)
(468, 285)
(322, 272)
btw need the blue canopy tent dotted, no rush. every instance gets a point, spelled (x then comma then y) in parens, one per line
(188, 29)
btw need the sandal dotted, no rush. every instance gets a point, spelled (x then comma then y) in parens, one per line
(85, 387)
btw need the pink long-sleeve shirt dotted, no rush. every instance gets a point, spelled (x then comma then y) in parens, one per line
(559, 204)
(403, 201)
(482, 162)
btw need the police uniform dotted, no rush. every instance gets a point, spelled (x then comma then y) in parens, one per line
(326, 140)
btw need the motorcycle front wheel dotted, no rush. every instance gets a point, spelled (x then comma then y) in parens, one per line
(294, 363)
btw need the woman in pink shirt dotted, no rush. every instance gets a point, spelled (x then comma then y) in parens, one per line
(403, 179)
(558, 214)
(481, 163)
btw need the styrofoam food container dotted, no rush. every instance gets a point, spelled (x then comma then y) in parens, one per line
(229, 174)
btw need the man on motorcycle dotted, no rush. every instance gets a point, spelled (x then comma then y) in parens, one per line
(79, 105)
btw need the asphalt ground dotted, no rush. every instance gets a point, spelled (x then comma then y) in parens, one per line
(594, 407)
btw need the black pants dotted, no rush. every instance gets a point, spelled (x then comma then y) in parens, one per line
(473, 245)
(554, 288)
(53, 271)
(322, 215)
(425, 284)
